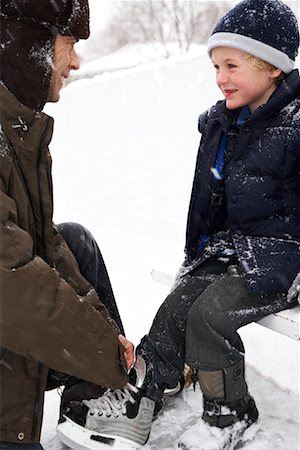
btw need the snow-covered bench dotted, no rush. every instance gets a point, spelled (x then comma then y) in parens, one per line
(285, 322)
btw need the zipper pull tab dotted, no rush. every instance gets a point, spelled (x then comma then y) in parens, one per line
(22, 125)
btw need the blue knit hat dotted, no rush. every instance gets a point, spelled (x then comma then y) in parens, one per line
(267, 29)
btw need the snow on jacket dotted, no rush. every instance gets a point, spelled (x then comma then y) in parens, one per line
(50, 315)
(262, 189)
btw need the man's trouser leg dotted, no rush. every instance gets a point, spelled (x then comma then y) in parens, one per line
(92, 267)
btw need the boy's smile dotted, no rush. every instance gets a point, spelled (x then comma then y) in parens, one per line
(240, 82)
(228, 93)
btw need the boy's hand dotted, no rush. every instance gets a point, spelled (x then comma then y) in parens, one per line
(129, 350)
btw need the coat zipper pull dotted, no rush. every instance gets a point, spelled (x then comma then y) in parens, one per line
(22, 125)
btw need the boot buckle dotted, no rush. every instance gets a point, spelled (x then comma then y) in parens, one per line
(213, 408)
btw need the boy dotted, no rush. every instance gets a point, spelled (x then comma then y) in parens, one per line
(243, 235)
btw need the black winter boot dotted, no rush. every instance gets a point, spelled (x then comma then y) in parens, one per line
(225, 396)
(222, 414)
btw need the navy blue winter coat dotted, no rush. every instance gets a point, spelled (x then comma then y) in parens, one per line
(261, 197)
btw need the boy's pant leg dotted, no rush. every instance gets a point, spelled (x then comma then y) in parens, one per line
(213, 345)
(164, 347)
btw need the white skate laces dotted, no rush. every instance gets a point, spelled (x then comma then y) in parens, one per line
(121, 418)
(112, 403)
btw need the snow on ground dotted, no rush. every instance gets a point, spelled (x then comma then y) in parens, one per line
(123, 160)
(132, 55)
(179, 421)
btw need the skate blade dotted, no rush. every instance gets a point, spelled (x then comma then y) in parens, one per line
(79, 438)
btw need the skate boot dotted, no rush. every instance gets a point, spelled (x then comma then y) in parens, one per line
(121, 418)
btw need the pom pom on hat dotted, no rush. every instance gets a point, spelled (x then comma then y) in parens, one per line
(267, 29)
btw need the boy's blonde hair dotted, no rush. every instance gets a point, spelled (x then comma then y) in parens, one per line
(261, 64)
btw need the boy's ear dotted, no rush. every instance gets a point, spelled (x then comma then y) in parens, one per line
(275, 73)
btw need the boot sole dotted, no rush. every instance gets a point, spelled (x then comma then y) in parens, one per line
(79, 438)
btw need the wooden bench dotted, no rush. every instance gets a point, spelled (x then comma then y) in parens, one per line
(285, 322)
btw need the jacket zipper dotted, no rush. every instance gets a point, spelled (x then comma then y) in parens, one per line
(44, 256)
(36, 400)
(40, 365)
(42, 214)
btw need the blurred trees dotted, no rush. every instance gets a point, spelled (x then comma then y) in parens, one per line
(159, 21)
(163, 21)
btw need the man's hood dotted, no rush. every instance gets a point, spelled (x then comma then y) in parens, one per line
(27, 32)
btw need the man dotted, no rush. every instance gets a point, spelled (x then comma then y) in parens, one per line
(57, 306)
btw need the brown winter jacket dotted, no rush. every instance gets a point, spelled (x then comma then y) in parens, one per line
(50, 315)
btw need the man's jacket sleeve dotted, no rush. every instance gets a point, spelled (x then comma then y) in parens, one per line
(44, 318)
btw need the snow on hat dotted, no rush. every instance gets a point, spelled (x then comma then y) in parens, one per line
(267, 29)
(27, 33)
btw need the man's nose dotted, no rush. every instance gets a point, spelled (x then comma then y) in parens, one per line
(74, 63)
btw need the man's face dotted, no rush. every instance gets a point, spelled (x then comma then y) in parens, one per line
(65, 60)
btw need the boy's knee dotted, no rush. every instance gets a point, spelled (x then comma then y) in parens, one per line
(207, 312)
(199, 314)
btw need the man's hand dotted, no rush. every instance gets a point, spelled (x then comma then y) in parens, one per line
(294, 291)
(129, 350)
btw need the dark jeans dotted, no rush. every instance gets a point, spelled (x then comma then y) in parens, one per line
(197, 320)
(212, 341)
(92, 267)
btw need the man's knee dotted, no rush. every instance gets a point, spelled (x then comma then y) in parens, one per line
(79, 239)
(74, 231)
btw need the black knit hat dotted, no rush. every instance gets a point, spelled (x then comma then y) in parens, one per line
(267, 29)
(27, 32)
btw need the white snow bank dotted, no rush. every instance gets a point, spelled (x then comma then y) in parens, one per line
(133, 55)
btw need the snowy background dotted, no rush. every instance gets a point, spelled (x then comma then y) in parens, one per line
(124, 151)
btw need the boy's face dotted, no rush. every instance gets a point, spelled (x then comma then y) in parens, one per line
(240, 82)
(65, 60)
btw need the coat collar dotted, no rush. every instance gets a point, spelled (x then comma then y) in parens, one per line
(22, 126)
(284, 94)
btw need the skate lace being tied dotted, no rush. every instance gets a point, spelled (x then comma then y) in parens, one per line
(112, 402)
